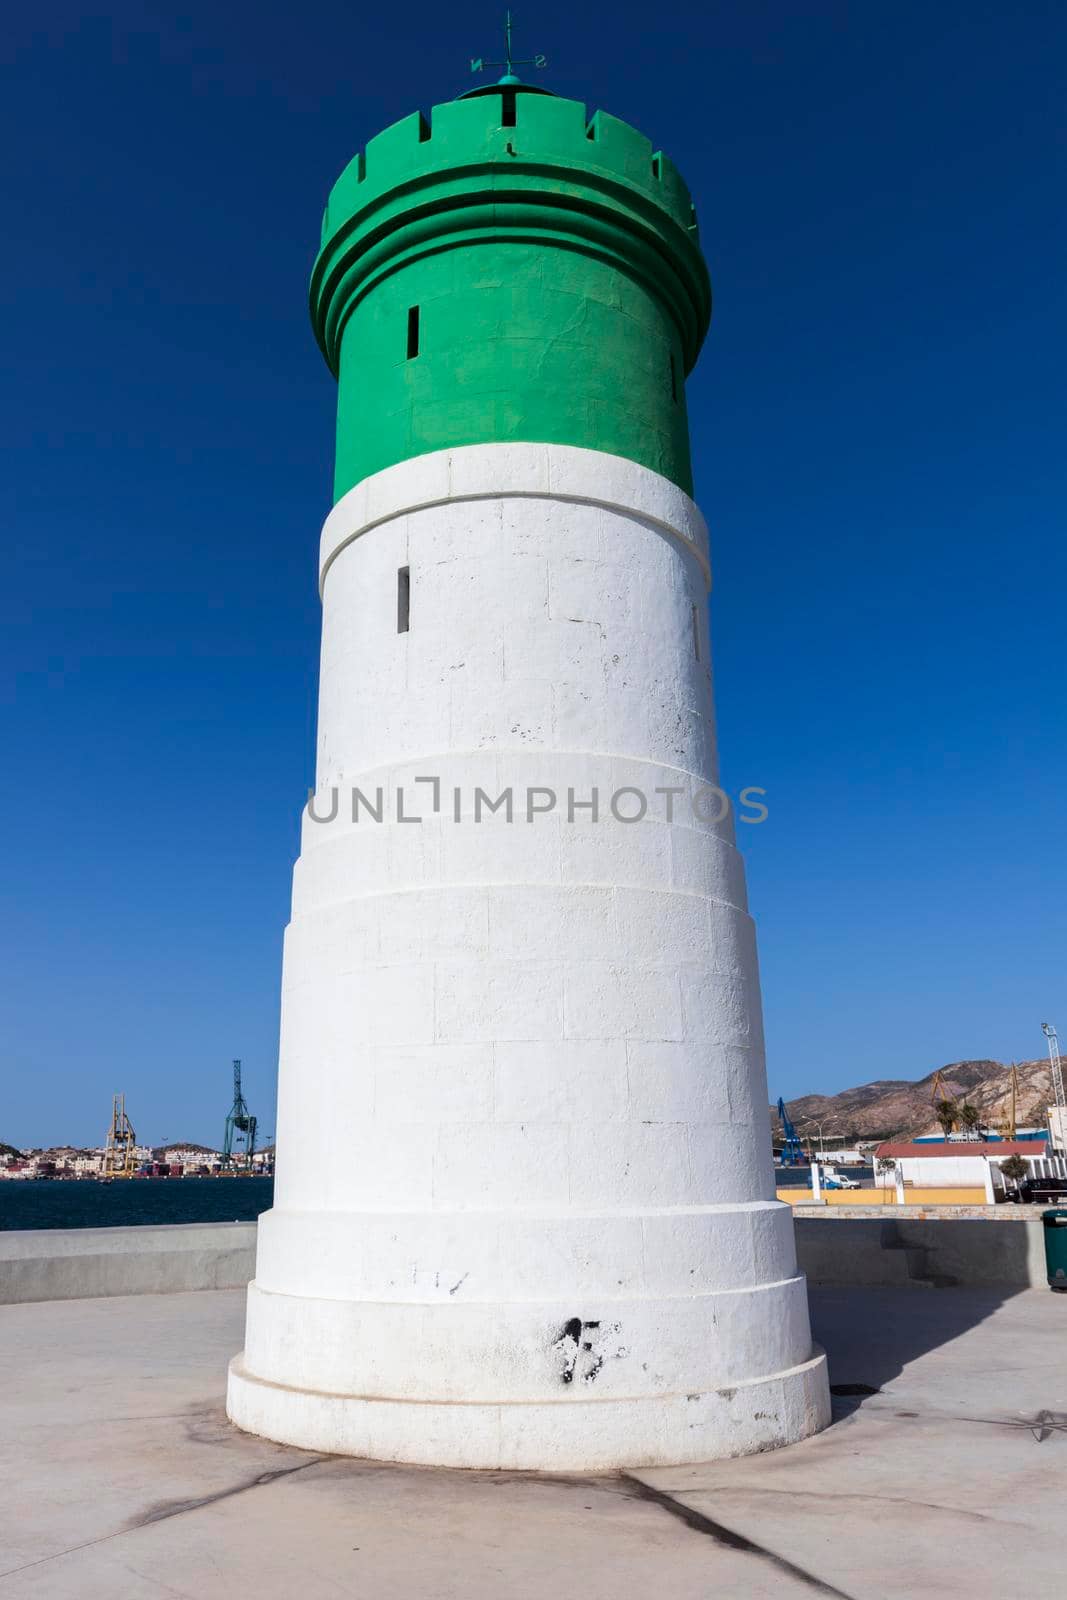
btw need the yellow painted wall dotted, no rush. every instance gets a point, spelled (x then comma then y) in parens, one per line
(886, 1197)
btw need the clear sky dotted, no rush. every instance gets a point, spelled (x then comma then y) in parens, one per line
(878, 424)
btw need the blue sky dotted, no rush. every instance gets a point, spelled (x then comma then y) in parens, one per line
(878, 428)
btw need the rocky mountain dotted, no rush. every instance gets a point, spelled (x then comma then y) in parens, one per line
(894, 1107)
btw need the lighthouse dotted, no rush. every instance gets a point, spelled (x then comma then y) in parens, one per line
(524, 1210)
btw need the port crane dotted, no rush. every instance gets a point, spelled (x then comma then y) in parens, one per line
(1010, 1123)
(240, 1128)
(1055, 1063)
(792, 1149)
(941, 1097)
(1058, 1112)
(121, 1145)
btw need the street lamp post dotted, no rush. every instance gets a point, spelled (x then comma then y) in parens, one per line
(816, 1124)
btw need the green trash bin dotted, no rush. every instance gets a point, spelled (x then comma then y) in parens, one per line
(1056, 1247)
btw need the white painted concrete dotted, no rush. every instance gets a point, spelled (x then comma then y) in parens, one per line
(524, 1209)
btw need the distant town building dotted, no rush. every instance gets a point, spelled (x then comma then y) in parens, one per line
(70, 1161)
(190, 1157)
(88, 1163)
(62, 1161)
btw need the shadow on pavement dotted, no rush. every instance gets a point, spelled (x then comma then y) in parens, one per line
(870, 1335)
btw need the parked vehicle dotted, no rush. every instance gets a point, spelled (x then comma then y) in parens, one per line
(832, 1179)
(1040, 1192)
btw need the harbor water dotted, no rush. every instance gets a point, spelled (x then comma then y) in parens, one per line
(131, 1202)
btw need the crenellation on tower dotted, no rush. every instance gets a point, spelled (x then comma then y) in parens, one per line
(554, 267)
(470, 131)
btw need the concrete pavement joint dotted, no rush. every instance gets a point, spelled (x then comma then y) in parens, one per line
(177, 1508)
(731, 1540)
(168, 1509)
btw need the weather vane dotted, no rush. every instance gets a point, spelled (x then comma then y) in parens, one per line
(509, 62)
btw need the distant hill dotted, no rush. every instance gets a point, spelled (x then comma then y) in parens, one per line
(895, 1106)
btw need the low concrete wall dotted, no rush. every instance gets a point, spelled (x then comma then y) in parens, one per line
(1005, 1250)
(87, 1263)
(1002, 1249)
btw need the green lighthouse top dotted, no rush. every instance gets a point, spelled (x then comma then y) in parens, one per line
(509, 269)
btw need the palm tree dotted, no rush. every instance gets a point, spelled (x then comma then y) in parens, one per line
(1016, 1169)
(946, 1113)
(970, 1117)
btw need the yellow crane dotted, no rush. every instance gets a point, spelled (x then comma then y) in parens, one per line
(120, 1149)
(938, 1097)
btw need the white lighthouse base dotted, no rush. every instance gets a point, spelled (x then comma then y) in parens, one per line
(562, 1436)
(635, 1339)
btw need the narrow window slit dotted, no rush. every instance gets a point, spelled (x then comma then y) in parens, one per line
(403, 600)
(413, 332)
(696, 633)
(674, 380)
(507, 109)
(656, 173)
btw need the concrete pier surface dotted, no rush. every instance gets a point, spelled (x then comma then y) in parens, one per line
(942, 1474)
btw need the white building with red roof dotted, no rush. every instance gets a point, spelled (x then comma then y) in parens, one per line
(964, 1163)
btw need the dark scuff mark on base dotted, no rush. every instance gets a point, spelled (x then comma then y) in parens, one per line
(575, 1347)
(729, 1539)
(590, 1375)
